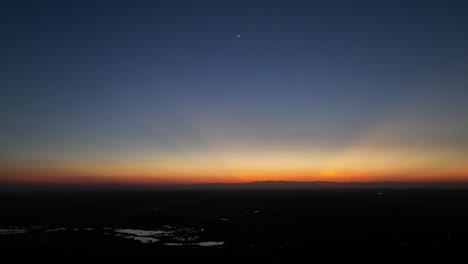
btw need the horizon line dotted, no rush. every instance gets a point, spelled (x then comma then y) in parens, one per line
(268, 184)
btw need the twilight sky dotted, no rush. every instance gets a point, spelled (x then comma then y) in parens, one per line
(165, 91)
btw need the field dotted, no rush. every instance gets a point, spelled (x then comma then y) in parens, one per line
(264, 223)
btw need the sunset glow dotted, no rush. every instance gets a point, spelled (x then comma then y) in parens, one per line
(310, 92)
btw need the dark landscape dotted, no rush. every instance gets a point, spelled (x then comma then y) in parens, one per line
(241, 222)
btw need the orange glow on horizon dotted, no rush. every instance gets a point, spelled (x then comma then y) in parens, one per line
(62, 177)
(356, 164)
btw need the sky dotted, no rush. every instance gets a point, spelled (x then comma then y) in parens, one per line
(151, 92)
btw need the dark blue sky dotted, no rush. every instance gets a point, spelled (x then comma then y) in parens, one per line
(105, 80)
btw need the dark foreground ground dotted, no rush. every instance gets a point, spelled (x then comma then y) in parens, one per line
(222, 223)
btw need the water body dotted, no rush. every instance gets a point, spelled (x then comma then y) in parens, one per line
(210, 244)
(143, 233)
(12, 231)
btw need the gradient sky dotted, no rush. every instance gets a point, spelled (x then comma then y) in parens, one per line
(165, 92)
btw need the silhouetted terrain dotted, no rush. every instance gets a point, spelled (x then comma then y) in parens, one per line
(264, 223)
(258, 185)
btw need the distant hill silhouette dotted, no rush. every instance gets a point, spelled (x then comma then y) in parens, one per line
(321, 185)
(258, 185)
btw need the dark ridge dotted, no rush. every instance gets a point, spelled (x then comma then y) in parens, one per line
(257, 185)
